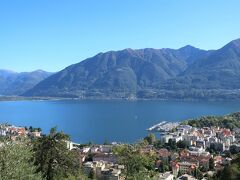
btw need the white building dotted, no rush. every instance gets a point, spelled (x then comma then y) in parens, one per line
(165, 176)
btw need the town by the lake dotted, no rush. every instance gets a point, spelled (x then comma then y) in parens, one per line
(182, 151)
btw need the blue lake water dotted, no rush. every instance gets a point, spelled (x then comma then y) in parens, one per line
(97, 121)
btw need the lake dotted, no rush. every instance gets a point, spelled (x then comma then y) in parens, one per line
(98, 120)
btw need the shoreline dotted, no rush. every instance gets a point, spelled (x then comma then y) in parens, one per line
(22, 98)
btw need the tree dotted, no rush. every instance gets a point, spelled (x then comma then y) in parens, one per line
(106, 142)
(232, 171)
(198, 174)
(55, 161)
(80, 176)
(16, 162)
(163, 167)
(151, 139)
(134, 161)
(172, 144)
(182, 144)
(158, 144)
(234, 149)
(92, 174)
(211, 164)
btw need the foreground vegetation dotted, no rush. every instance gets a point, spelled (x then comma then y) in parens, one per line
(43, 158)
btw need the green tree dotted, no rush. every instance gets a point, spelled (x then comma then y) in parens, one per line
(211, 164)
(55, 161)
(231, 172)
(16, 162)
(163, 167)
(79, 176)
(135, 162)
(92, 174)
(106, 142)
(172, 144)
(198, 174)
(151, 139)
(182, 144)
(158, 144)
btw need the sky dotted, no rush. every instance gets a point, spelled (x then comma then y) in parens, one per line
(53, 34)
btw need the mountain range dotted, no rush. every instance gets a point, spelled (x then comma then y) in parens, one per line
(185, 73)
(13, 83)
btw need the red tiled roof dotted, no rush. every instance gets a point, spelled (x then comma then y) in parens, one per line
(163, 152)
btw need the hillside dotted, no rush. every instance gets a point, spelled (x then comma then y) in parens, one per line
(185, 73)
(118, 73)
(13, 83)
(230, 121)
(220, 70)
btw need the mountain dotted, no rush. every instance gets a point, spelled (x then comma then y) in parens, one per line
(219, 70)
(185, 73)
(118, 73)
(13, 83)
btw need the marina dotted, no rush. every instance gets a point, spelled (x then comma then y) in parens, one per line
(163, 126)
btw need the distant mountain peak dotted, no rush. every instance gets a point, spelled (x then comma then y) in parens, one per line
(15, 83)
(233, 44)
(187, 48)
(236, 42)
(40, 71)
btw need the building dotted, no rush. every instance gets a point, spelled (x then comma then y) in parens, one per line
(235, 148)
(72, 145)
(110, 174)
(165, 138)
(100, 166)
(103, 170)
(204, 162)
(88, 167)
(165, 176)
(3, 132)
(35, 134)
(175, 169)
(19, 131)
(184, 128)
(200, 143)
(186, 177)
(164, 155)
(218, 146)
(187, 167)
(85, 149)
(107, 157)
(195, 151)
(105, 148)
(94, 149)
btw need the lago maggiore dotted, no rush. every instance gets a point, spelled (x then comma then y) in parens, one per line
(106, 120)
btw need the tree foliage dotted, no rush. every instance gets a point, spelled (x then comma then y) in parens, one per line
(53, 158)
(16, 162)
(232, 171)
(230, 121)
(151, 139)
(135, 162)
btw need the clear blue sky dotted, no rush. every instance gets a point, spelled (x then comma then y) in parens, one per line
(52, 34)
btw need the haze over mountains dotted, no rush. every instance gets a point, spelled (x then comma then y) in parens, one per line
(185, 73)
(13, 83)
